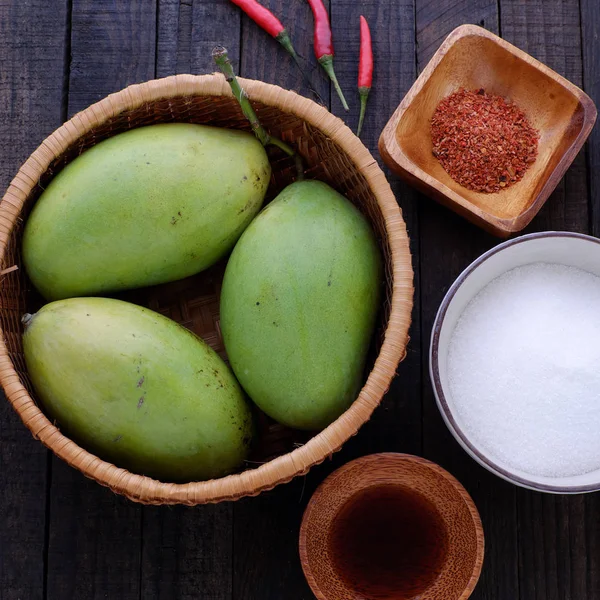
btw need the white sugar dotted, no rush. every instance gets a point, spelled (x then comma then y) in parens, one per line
(524, 370)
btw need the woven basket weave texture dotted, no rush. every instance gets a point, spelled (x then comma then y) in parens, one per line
(331, 153)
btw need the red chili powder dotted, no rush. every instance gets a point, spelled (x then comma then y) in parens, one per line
(483, 142)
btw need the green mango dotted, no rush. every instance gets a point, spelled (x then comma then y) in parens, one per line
(298, 305)
(147, 206)
(137, 389)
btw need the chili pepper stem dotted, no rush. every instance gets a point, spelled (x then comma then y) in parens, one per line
(221, 58)
(364, 94)
(284, 39)
(326, 61)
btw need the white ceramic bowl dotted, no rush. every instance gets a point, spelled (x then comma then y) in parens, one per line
(570, 249)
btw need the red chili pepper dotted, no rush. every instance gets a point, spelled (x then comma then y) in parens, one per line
(324, 44)
(262, 16)
(265, 19)
(365, 69)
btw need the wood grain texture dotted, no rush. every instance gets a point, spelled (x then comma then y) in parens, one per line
(396, 425)
(555, 554)
(448, 245)
(265, 59)
(94, 549)
(549, 30)
(591, 526)
(112, 45)
(435, 20)
(32, 39)
(265, 561)
(590, 42)
(188, 552)
(189, 30)
(557, 557)
(267, 526)
(590, 24)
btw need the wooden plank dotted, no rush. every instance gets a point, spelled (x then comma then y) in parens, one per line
(266, 528)
(448, 245)
(112, 46)
(189, 30)
(263, 57)
(32, 42)
(396, 425)
(592, 539)
(95, 536)
(94, 549)
(553, 549)
(187, 552)
(549, 30)
(435, 20)
(590, 30)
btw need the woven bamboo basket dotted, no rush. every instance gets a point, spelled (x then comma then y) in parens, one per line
(332, 154)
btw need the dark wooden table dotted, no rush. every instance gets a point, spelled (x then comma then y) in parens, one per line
(63, 537)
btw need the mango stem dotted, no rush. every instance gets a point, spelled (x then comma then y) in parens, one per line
(221, 57)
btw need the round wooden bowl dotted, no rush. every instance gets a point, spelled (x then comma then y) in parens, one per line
(331, 153)
(431, 494)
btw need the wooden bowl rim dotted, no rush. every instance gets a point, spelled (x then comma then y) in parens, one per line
(395, 157)
(321, 493)
(434, 372)
(285, 467)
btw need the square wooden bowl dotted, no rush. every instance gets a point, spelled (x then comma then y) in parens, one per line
(473, 58)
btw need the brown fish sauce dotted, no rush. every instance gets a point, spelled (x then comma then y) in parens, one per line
(388, 543)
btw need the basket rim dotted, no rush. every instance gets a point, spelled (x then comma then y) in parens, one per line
(287, 466)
